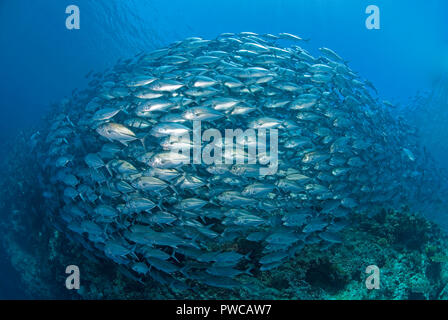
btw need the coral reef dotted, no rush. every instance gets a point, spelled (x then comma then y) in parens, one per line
(409, 250)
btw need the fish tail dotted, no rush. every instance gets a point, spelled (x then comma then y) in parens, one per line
(173, 255)
(248, 270)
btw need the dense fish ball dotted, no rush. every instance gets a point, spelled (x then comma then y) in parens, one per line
(121, 191)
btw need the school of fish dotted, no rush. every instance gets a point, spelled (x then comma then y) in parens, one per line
(113, 185)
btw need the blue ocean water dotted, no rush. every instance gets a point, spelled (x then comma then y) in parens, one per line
(41, 61)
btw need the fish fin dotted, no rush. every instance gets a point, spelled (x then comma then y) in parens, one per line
(174, 189)
(202, 219)
(142, 140)
(248, 270)
(184, 271)
(108, 169)
(260, 110)
(159, 205)
(173, 255)
(247, 256)
(123, 143)
(69, 121)
(213, 203)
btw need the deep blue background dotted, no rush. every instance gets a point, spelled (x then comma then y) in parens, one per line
(41, 61)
